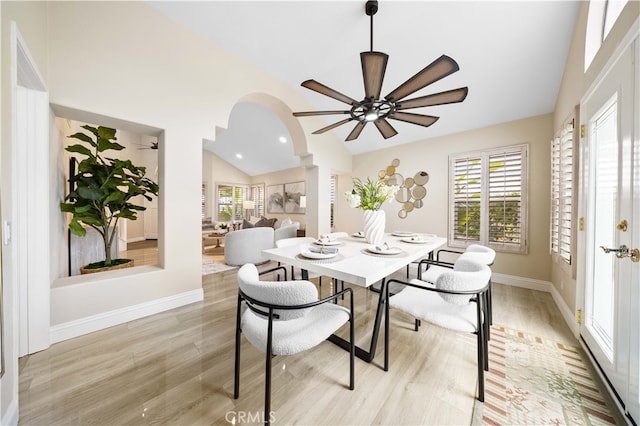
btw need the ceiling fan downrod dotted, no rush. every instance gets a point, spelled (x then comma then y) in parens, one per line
(370, 8)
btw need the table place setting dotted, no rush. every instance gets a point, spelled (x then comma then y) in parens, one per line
(326, 241)
(416, 239)
(384, 249)
(405, 234)
(320, 253)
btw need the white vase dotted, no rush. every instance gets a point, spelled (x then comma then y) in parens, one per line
(374, 222)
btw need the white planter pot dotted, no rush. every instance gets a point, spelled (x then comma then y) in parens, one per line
(374, 223)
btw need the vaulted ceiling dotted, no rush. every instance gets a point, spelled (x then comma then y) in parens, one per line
(511, 56)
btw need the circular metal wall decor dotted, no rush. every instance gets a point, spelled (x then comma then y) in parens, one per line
(412, 189)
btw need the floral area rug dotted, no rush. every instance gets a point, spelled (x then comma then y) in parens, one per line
(211, 266)
(532, 380)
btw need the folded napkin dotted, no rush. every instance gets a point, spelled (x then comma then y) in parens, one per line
(324, 239)
(325, 250)
(383, 247)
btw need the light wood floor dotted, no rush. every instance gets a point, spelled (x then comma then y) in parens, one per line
(176, 368)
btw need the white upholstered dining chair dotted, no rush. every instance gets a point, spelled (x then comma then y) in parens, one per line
(456, 301)
(474, 252)
(285, 318)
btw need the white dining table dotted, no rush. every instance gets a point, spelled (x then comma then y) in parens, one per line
(356, 265)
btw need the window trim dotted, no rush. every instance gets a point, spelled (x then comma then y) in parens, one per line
(484, 157)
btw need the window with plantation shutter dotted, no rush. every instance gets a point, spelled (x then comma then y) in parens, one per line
(467, 179)
(257, 195)
(203, 200)
(488, 194)
(562, 193)
(229, 202)
(332, 195)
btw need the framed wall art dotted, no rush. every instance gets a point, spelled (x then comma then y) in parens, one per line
(275, 199)
(295, 197)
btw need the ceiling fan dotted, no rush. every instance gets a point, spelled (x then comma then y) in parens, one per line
(151, 145)
(375, 109)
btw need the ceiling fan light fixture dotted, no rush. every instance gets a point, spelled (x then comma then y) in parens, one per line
(371, 115)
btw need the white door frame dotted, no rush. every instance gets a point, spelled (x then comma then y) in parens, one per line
(30, 199)
(630, 392)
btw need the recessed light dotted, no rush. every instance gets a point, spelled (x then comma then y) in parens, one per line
(283, 139)
(239, 156)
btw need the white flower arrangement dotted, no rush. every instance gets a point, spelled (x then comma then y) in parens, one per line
(370, 195)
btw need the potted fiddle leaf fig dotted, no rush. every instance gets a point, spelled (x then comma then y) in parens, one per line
(103, 189)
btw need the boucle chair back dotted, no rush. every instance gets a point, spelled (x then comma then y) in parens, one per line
(246, 245)
(483, 254)
(286, 293)
(466, 275)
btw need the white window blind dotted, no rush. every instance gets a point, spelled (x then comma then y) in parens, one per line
(332, 196)
(467, 180)
(506, 198)
(488, 194)
(562, 189)
(240, 193)
(203, 199)
(229, 202)
(257, 195)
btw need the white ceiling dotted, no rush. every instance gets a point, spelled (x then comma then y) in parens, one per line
(511, 56)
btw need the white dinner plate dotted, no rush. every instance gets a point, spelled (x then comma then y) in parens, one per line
(358, 234)
(415, 240)
(313, 255)
(327, 243)
(384, 250)
(403, 234)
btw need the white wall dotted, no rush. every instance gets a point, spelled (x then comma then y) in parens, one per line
(158, 75)
(432, 155)
(574, 85)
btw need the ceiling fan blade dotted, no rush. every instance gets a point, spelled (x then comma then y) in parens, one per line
(436, 70)
(419, 119)
(374, 65)
(442, 98)
(386, 129)
(356, 131)
(333, 126)
(327, 91)
(310, 113)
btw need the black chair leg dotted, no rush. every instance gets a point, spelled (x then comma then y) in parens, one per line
(352, 349)
(483, 362)
(236, 380)
(267, 385)
(385, 288)
(480, 367)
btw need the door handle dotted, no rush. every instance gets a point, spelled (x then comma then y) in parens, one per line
(623, 251)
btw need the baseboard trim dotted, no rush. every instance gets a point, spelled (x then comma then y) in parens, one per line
(565, 311)
(135, 239)
(87, 325)
(541, 285)
(515, 281)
